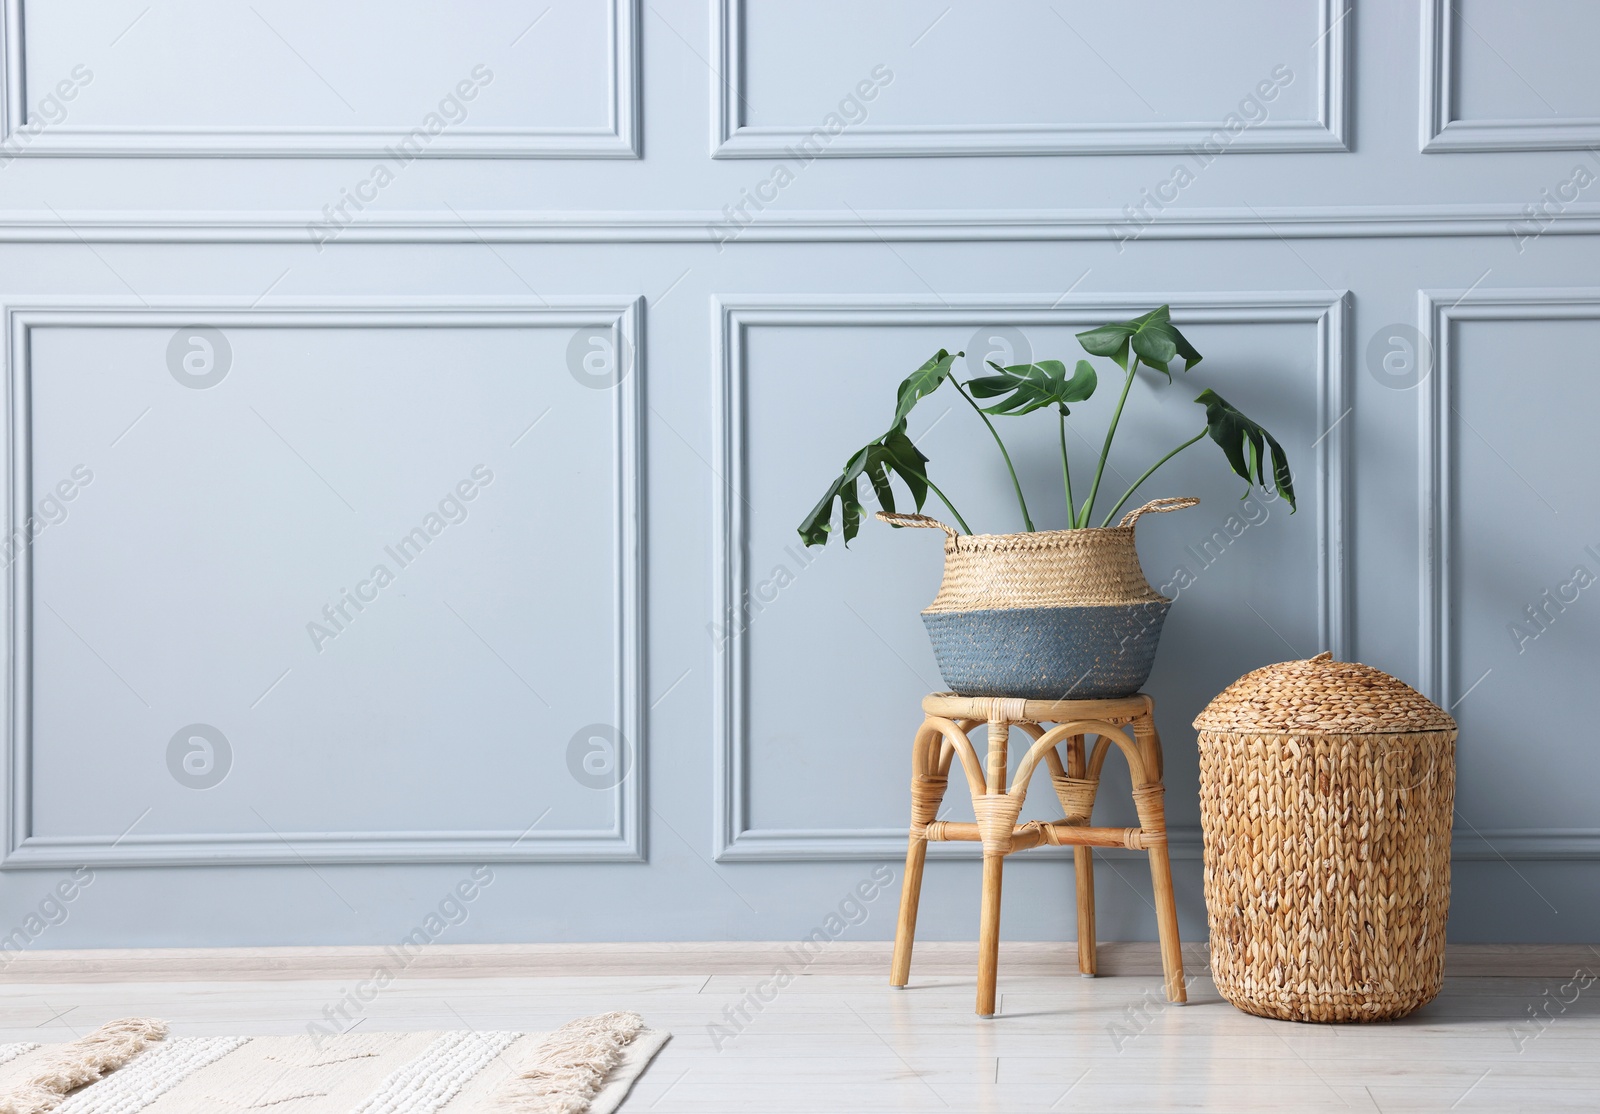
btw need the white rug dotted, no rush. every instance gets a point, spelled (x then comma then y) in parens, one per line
(131, 1067)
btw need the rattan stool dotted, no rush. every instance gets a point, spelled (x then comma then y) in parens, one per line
(949, 719)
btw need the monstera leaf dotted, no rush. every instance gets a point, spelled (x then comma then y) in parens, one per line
(1031, 386)
(893, 454)
(1246, 444)
(1152, 337)
(922, 383)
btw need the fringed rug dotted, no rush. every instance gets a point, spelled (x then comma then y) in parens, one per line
(132, 1067)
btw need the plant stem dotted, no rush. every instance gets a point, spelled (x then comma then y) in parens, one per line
(1105, 451)
(1066, 472)
(942, 498)
(961, 522)
(1148, 473)
(1021, 502)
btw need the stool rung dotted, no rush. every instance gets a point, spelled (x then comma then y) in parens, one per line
(1066, 832)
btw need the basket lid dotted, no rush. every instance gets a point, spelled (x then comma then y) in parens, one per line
(1325, 696)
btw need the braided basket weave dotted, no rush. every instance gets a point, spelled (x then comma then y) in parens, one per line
(1326, 795)
(1047, 615)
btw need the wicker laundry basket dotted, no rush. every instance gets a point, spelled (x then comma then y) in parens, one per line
(1326, 794)
(1048, 615)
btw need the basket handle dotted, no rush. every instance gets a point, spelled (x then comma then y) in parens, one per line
(1159, 506)
(921, 521)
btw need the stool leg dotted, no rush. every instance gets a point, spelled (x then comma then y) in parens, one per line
(1083, 868)
(1167, 924)
(1152, 818)
(995, 846)
(989, 934)
(927, 791)
(906, 929)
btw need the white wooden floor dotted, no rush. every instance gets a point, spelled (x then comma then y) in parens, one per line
(840, 1043)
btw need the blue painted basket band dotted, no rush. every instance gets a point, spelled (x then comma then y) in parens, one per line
(1046, 653)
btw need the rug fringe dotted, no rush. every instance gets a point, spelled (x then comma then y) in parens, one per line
(569, 1067)
(83, 1061)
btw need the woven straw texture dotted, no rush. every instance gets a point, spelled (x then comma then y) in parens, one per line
(1047, 568)
(1053, 568)
(1322, 695)
(1327, 847)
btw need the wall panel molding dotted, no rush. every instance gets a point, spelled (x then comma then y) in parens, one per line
(624, 841)
(731, 138)
(734, 839)
(620, 139)
(1438, 310)
(1440, 69)
(543, 226)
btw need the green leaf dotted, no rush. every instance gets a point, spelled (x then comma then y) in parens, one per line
(849, 495)
(878, 475)
(892, 455)
(1246, 444)
(1185, 349)
(1152, 338)
(880, 460)
(818, 524)
(921, 383)
(1082, 384)
(1032, 386)
(1108, 340)
(906, 460)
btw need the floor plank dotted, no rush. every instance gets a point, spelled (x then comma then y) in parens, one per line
(843, 1042)
(1042, 958)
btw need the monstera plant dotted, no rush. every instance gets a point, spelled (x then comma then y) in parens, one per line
(1151, 340)
(1062, 611)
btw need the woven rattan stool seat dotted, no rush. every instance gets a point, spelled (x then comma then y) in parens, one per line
(944, 738)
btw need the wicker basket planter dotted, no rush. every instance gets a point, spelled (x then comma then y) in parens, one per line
(1049, 615)
(1326, 795)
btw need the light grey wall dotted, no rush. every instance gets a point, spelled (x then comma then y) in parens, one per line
(617, 183)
